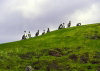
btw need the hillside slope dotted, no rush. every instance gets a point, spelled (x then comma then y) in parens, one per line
(70, 49)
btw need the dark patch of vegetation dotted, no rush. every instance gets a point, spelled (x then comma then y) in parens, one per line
(95, 61)
(73, 57)
(78, 48)
(97, 55)
(93, 36)
(54, 53)
(89, 67)
(98, 68)
(27, 55)
(84, 58)
(70, 51)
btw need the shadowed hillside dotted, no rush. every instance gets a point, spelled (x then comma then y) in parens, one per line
(70, 49)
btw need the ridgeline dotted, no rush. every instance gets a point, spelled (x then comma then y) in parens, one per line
(69, 49)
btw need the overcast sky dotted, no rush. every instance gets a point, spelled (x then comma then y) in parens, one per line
(19, 15)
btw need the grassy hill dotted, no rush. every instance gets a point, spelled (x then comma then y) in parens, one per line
(70, 49)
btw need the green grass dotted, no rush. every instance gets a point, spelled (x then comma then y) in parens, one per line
(69, 49)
